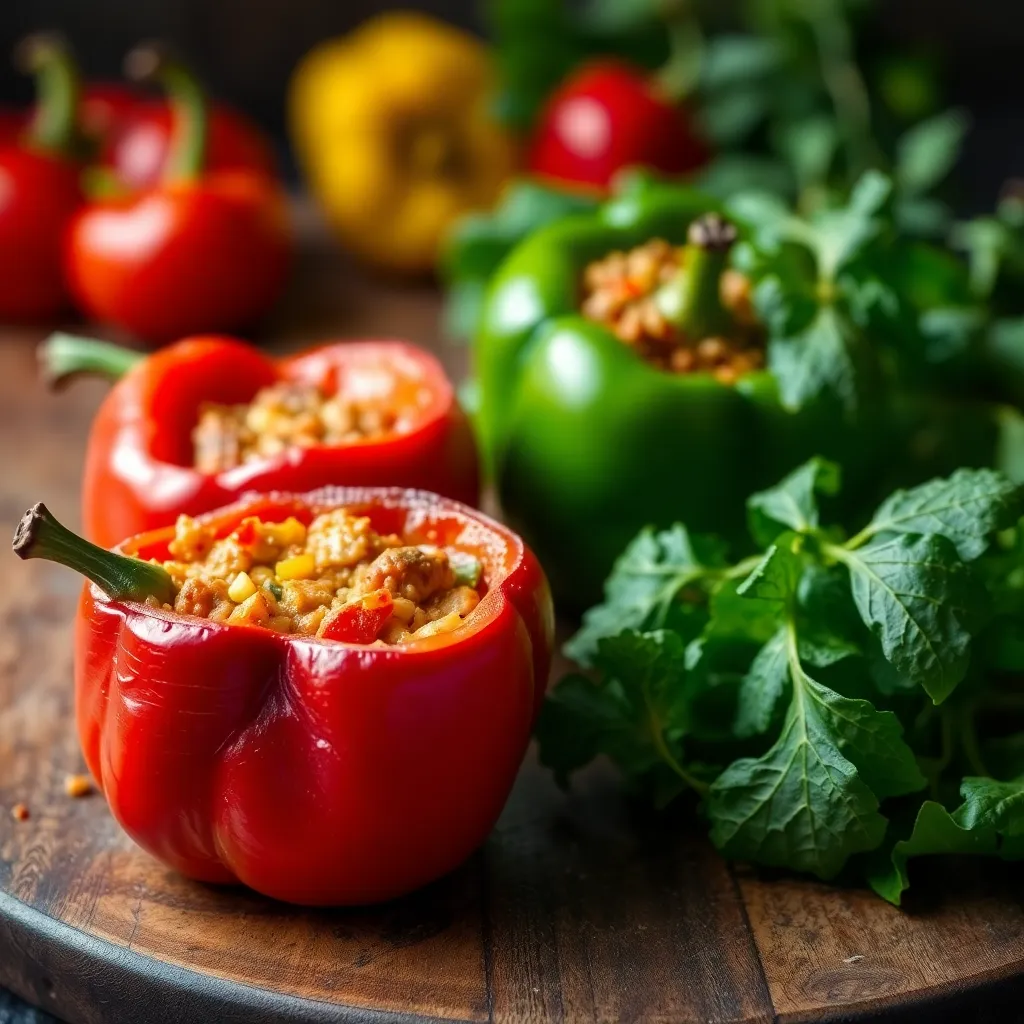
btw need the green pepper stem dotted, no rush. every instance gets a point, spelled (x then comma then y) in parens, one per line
(121, 578)
(151, 63)
(692, 300)
(62, 357)
(54, 126)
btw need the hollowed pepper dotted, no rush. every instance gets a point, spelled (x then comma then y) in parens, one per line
(587, 441)
(139, 468)
(314, 771)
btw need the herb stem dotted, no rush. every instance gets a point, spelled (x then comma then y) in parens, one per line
(858, 540)
(844, 82)
(698, 785)
(969, 742)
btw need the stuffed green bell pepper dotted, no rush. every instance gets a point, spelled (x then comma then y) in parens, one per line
(621, 378)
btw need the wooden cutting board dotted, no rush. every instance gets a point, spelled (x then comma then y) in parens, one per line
(581, 907)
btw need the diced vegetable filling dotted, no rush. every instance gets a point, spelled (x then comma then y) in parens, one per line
(337, 579)
(619, 292)
(286, 415)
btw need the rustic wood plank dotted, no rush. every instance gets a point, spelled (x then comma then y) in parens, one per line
(602, 911)
(825, 948)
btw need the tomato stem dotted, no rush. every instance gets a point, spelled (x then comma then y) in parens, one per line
(54, 126)
(40, 535)
(692, 300)
(152, 63)
(62, 357)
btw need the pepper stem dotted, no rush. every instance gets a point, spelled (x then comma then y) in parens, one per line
(692, 300)
(152, 63)
(121, 578)
(54, 126)
(63, 357)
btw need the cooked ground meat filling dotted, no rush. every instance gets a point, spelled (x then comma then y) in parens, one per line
(618, 291)
(308, 581)
(282, 416)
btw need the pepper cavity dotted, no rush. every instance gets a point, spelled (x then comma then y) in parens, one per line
(683, 309)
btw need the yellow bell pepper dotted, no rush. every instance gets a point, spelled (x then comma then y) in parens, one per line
(392, 127)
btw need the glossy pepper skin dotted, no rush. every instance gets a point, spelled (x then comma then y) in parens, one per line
(138, 150)
(138, 466)
(393, 130)
(198, 252)
(39, 190)
(608, 116)
(587, 442)
(316, 772)
(104, 108)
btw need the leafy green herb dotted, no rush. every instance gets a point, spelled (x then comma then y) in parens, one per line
(645, 582)
(796, 693)
(914, 594)
(479, 242)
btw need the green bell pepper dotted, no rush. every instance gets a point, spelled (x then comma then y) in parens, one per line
(587, 442)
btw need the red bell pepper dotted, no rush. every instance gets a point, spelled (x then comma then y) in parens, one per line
(313, 771)
(104, 108)
(610, 115)
(197, 252)
(138, 151)
(361, 621)
(39, 189)
(138, 468)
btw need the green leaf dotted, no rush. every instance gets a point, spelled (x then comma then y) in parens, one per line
(792, 504)
(872, 740)
(731, 60)
(915, 595)
(809, 147)
(777, 576)
(840, 235)
(802, 805)
(816, 361)
(762, 687)
(812, 800)
(989, 803)
(626, 715)
(935, 831)
(927, 153)
(735, 618)
(645, 581)
(967, 508)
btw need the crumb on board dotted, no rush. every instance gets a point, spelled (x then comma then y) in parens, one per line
(77, 785)
(20, 812)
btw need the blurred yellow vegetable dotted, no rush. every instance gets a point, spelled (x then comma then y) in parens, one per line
(392, 127)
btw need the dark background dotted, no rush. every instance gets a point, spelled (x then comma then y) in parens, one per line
(246, 49)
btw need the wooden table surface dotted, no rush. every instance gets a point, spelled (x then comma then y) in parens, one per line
(581, 907)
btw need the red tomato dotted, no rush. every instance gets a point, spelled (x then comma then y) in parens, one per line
(607, 116)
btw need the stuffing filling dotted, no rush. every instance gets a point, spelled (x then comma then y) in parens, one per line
(287, 415)
(619, 292)
(337, 579)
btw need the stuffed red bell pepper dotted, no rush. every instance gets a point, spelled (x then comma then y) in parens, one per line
(206, 420)
(324, 696)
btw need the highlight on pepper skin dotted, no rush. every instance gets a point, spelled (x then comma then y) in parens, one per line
(343, 770)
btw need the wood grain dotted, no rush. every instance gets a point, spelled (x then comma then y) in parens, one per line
(581, 907)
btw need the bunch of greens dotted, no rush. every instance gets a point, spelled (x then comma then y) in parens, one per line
(836, 702)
